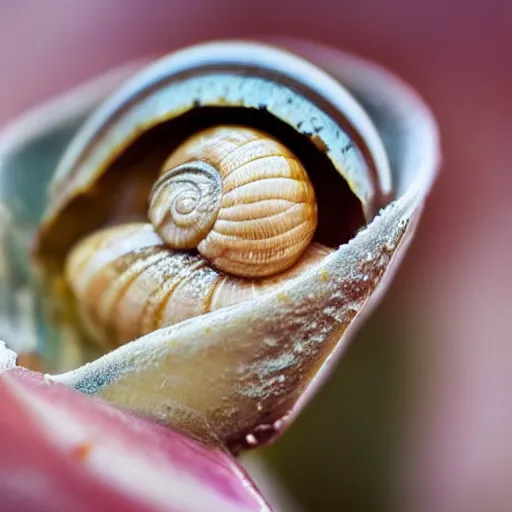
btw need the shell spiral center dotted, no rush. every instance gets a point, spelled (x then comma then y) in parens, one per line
(185, 203)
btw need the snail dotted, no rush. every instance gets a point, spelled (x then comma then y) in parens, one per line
(241, 167)
(226, 342)
(242, 198)
(238, 196)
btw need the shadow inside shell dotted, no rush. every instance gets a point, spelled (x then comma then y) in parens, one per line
(121, 194)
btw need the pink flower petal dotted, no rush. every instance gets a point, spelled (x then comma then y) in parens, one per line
(62, 450)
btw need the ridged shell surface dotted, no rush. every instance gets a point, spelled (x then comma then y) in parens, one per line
(129, 283)
(240, 197)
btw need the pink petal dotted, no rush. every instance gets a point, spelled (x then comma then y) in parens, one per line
(62, 450)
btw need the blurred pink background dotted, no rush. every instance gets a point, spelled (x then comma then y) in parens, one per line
(454, 289)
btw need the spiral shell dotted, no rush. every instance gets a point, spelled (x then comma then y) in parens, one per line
(240, 197)
(237, 195)
(129, 283)
(239, 166)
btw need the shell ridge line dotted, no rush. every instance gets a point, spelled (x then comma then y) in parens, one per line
(247, 175)
(229, 173)
(229, 155)
(188, 279)
(155, 303)
(104, 246)
(111, 300)
(264, 203)
(113, 263)
(252, 259)
(258, 200)
(226, 223)
(219, 235)
(165, 280)
(208, 299)
(263, 178)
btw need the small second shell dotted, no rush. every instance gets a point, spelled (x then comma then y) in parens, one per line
(240, 197)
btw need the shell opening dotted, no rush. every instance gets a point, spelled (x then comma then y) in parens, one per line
(339, 216)
(340, 212)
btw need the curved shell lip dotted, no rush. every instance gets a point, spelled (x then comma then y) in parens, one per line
(244, 57)
(410, 193)
(422, 123)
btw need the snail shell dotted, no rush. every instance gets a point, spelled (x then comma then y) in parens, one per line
(245, 160)
(237, 195)
(129, 283)
(240, 197)
(240, 374)
(122, 148)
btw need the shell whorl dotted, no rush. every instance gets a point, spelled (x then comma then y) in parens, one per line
(129, 283)
(240, 197)
(185, 202)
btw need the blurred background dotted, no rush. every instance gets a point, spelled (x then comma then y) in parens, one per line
(418, 415)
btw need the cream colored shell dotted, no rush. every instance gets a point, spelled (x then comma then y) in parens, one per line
(128, 283)
(240, 197)
(235, 194)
